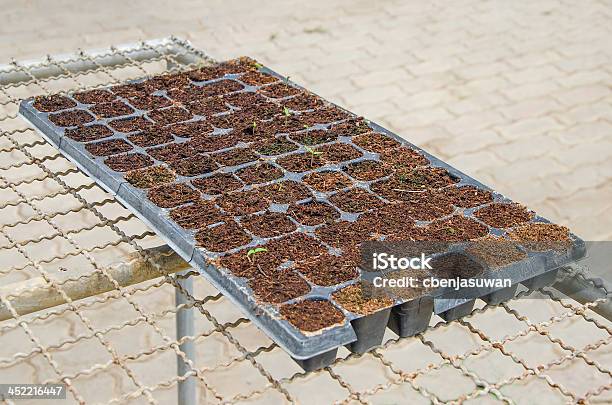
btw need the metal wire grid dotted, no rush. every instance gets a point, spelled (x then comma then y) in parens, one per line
(58, 228)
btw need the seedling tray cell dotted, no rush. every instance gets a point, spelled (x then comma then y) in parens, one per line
(268, 190)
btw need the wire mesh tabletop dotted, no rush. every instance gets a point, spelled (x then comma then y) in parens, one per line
(87, 295)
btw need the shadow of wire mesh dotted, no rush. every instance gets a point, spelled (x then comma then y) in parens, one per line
(58, 229)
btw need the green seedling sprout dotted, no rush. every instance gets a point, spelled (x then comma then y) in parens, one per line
(313, 153)
(254, 251)
(258, 65)
(286, 112)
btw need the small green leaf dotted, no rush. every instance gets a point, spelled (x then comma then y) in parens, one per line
(313, 152)
(258, 65)
(286, 111)
(256, 250)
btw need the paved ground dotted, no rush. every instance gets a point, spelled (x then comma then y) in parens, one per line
(515, 93)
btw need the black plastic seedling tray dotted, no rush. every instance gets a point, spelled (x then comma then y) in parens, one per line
(316, 348)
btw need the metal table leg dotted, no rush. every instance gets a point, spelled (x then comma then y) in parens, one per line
(185, 327)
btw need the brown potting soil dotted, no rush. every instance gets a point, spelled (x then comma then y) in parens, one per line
(259, 173)
(324, 115)
(212, 143)
(89, 133)
(52, 103)
(314, 137)
(313, 213)
(244, 99)
(344, 234)
(111, 110)
(495, 252)
(71, 118)
(279, 90)
(197, 215)
(468, 196)
(303, 102)
(295, 247)
(166, 81)
(208, 106)
(151, 137)
(107, 148)
(355, 200)
(268, 224)
(130, 90)
(255, 78)
(312, 315)
(262, 111)
(278, 286)
(403, 158)
(235, 157)
(149, 102)
(191, 129)
(351, 127)
(541, 237)
(94, 96)
(281, 124)
(360, 298)
(130, 124)
(169, 115)
(389, 220)
(500, 215)
(286, 192)
(338, 152)
(172, 195)
(454, 229)
(418, 179)
(216, 71)
(222, 238)
(326, 181)
(128, 161)
(375, 142)
(427, 206)
(217, 184)
(172, 152)
(277, 146)
(150, 177)
(328, 270)
(368, 170)
(221, 87)
(243, 202)
(241, 264)
(193, 166)
(301, 162)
